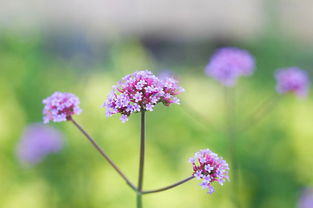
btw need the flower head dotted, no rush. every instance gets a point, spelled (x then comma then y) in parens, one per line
(306, 199)
(228, 64)
(37, 142)
(141, 91)
(208, 167)
(293, 80)
(60, 107)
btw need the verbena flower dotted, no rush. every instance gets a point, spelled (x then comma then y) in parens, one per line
(37, 142)
(208, 167)
(141, 91)
(306, 199)
(292, 80)
(60, 107)
(163, 74)
(228, 64)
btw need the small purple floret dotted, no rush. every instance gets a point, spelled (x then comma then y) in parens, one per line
(37, 142)
(209, 167)
(228, 64)
(141, 91)
(60, 107)
(292, 80)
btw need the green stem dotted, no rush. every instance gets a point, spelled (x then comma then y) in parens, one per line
(139, 200)
(260, 112)
(204, 121)
(230, 101)
(101, 151)
(141, 160)
(168, 187)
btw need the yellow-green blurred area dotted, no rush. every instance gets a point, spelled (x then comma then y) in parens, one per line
(275, 153)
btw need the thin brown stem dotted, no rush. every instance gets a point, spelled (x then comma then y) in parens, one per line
(168, 187)
(100, 150)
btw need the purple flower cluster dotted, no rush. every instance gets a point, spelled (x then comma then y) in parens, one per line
(228, 64)
(209, 167)
(60, 107)
(37, 142)
(306, 199)
(141, 91)
(293, 80)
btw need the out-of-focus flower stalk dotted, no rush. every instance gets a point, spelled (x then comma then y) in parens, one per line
(260, 113)
(199, 118)
(292, 80)
(231, 134)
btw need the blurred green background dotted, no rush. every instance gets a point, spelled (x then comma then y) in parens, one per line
(275, 154)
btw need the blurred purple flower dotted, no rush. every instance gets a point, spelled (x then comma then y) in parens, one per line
(209, 167)
(306, 199)
(293, 80)
(37, 142)
(141, 91)
(60, 107)
(166, 73)
(228, 64)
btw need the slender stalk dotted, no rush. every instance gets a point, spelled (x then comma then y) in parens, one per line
(200, 119)
(139, 200)
(100, 150)
(230, 102)
(141, 160)
(260, 112)
(168, 187)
